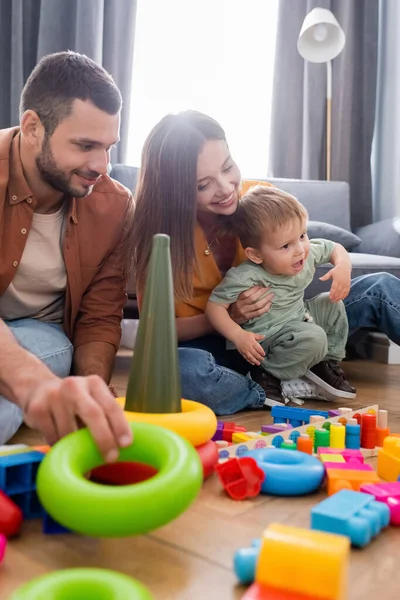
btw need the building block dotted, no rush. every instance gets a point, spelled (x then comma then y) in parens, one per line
(218, 433)
(295, 416)
(29, 503)
(389, 459)
(241, 477)
(331, 458)
(3, 544)
(347, 453)
(389, 494)
(352, 465)
(305, 444)
(337, 438)
(238, 437)
(10, 516)
(368, 431)
(354, 514)
(50, 526)
(18, 472)
(276, 428)
(229, 429)
(351, 480)
(353, 435)
(305, 562)
(266, 592)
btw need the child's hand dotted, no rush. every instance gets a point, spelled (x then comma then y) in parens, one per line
(248, 346)
(341, 279)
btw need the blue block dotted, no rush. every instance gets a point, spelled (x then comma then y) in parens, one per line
(245, 562)
(282, 414)
(353, 514)
(29, 503)
(18, 472)
(50, 526)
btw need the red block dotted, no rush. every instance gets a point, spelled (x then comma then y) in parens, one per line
(10, 516)
(209, 456)
(266, 592)
(241, 477)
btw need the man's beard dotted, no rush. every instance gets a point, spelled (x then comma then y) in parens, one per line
(55, 177)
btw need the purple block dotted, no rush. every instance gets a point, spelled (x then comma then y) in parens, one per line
(218, 434)
(276, 428)
(334, 413)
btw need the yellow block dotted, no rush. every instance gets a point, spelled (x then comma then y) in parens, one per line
(389, 459)
(304, 561)
(334, 458)
(239, 437)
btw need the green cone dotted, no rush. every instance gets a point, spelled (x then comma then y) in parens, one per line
(154, 381)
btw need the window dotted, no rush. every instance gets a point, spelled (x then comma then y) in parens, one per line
(216, 56)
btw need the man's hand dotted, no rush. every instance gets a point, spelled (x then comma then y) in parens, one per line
(252, 303)
(248, 346)
(57, 407)
(341, 280)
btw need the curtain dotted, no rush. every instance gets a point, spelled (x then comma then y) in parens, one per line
(297, 142)
(104, 30)
(386, 145)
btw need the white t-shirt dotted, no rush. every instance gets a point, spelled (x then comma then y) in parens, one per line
(38, 288)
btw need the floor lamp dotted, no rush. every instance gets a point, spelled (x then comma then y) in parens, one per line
(321, 39)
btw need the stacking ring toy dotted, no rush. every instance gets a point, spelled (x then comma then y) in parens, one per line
(196, 423)
(83, 584)
(108, 511)
(288, 472)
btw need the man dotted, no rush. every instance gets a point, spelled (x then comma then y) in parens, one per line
(64, 228)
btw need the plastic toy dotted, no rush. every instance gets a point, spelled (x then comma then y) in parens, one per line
(218, 432)
(229, 429)
(10, 516)
(351, 465)
(389, 493)
(295, 416)
(208, 454)
(83, 584)
(303, 561)
(346, 453)
(18, 472)
(331, 459)
(111, 511)
(154, 393)
(368, 431)
(382, 430)
(122, 473)
(265, 592)
(305, 443)
(51, 527)
(350, 480)
(353, 434)
(288, 472)
(3, 544)
(389, 459)
(284, 434)
(321, 439)
(241, 477)
(276, 428)
(337, 435)
(354, 514)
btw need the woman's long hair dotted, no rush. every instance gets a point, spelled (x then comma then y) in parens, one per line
(166, 194)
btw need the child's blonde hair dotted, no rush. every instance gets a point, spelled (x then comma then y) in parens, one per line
(264, 208)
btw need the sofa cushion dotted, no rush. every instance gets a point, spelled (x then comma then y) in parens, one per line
(317, 229)
(382, 237)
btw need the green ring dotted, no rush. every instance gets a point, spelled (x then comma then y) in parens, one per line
(115, 511)
(83, 584)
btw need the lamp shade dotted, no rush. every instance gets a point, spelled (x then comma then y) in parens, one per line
(321, 38)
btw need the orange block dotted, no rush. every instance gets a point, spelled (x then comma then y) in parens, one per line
(389, 459)
(339, 479)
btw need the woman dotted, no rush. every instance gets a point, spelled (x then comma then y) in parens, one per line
(189, 186)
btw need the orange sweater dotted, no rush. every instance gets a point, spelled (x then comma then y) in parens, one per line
(208, 276)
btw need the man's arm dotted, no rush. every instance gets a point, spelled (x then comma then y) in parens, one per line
(95, 358)
(57, 406)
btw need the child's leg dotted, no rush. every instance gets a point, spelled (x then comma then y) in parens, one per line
(297, 347)
(331, 316)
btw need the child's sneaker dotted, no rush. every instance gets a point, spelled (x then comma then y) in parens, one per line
(271, 386)
(330, 376)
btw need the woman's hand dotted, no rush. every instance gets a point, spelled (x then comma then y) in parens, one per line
(252, 303)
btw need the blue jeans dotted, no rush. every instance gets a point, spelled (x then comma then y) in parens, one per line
(373, 303)
(49, 343)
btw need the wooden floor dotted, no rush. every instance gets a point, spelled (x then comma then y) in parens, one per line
(191, 558)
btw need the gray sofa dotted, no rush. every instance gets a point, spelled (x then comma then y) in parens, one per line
(327, 202)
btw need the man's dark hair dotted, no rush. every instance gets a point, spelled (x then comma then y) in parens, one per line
(59, 79)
